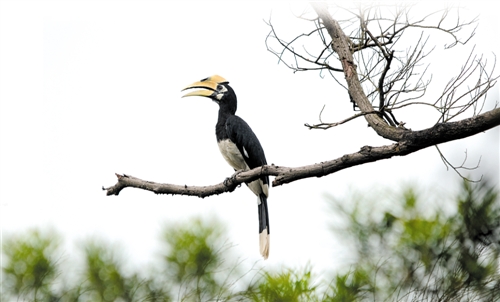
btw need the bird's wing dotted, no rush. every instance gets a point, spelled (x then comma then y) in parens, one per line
(249, 146)
(247, 142)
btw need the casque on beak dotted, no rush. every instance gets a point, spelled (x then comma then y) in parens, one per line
(208, 86)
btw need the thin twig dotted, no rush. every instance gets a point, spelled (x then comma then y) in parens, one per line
(325, 126)
(456, 168)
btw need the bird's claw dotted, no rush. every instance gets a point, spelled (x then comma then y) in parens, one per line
(230, 180)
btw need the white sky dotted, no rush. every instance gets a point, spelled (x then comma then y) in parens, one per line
(90, 88)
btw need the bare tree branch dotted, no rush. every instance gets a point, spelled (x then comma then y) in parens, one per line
(392, 80)
(412, 142)
(390, 77)
(456, 99)
(325, 126)
(321, 63)
(457, 168)
(342, 46)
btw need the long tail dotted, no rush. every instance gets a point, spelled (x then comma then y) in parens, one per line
(263, 226)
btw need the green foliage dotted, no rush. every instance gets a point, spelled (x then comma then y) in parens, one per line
(417, 252)
(31, 265)
(289, 285)
(407, 250)
(103, 274)
(352, 286)
(195, 261)
(106, 280)
(32, 272)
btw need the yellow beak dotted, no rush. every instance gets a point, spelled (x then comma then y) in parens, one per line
(208, 85)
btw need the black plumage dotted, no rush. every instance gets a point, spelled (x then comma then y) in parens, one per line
(239, 145)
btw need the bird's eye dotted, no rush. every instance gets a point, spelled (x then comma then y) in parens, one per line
(219, 87)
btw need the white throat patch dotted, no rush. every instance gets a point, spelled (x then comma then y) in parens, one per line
(221, 91)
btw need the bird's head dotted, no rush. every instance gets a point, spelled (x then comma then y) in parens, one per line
(216, 88)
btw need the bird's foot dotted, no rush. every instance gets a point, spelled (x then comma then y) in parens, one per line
(230, 180)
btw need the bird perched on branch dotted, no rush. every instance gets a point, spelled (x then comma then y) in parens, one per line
(238, 144)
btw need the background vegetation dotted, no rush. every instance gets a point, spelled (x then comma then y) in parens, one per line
(405, 250)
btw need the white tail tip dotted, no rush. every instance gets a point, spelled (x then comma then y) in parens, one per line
(264, 243)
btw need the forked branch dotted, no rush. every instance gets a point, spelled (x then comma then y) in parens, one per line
(389, 86)
(412, 142)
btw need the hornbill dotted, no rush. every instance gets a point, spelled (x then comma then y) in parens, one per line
(238, 144)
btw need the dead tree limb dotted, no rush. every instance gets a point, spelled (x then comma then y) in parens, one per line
(381, 119)
(412, 141)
